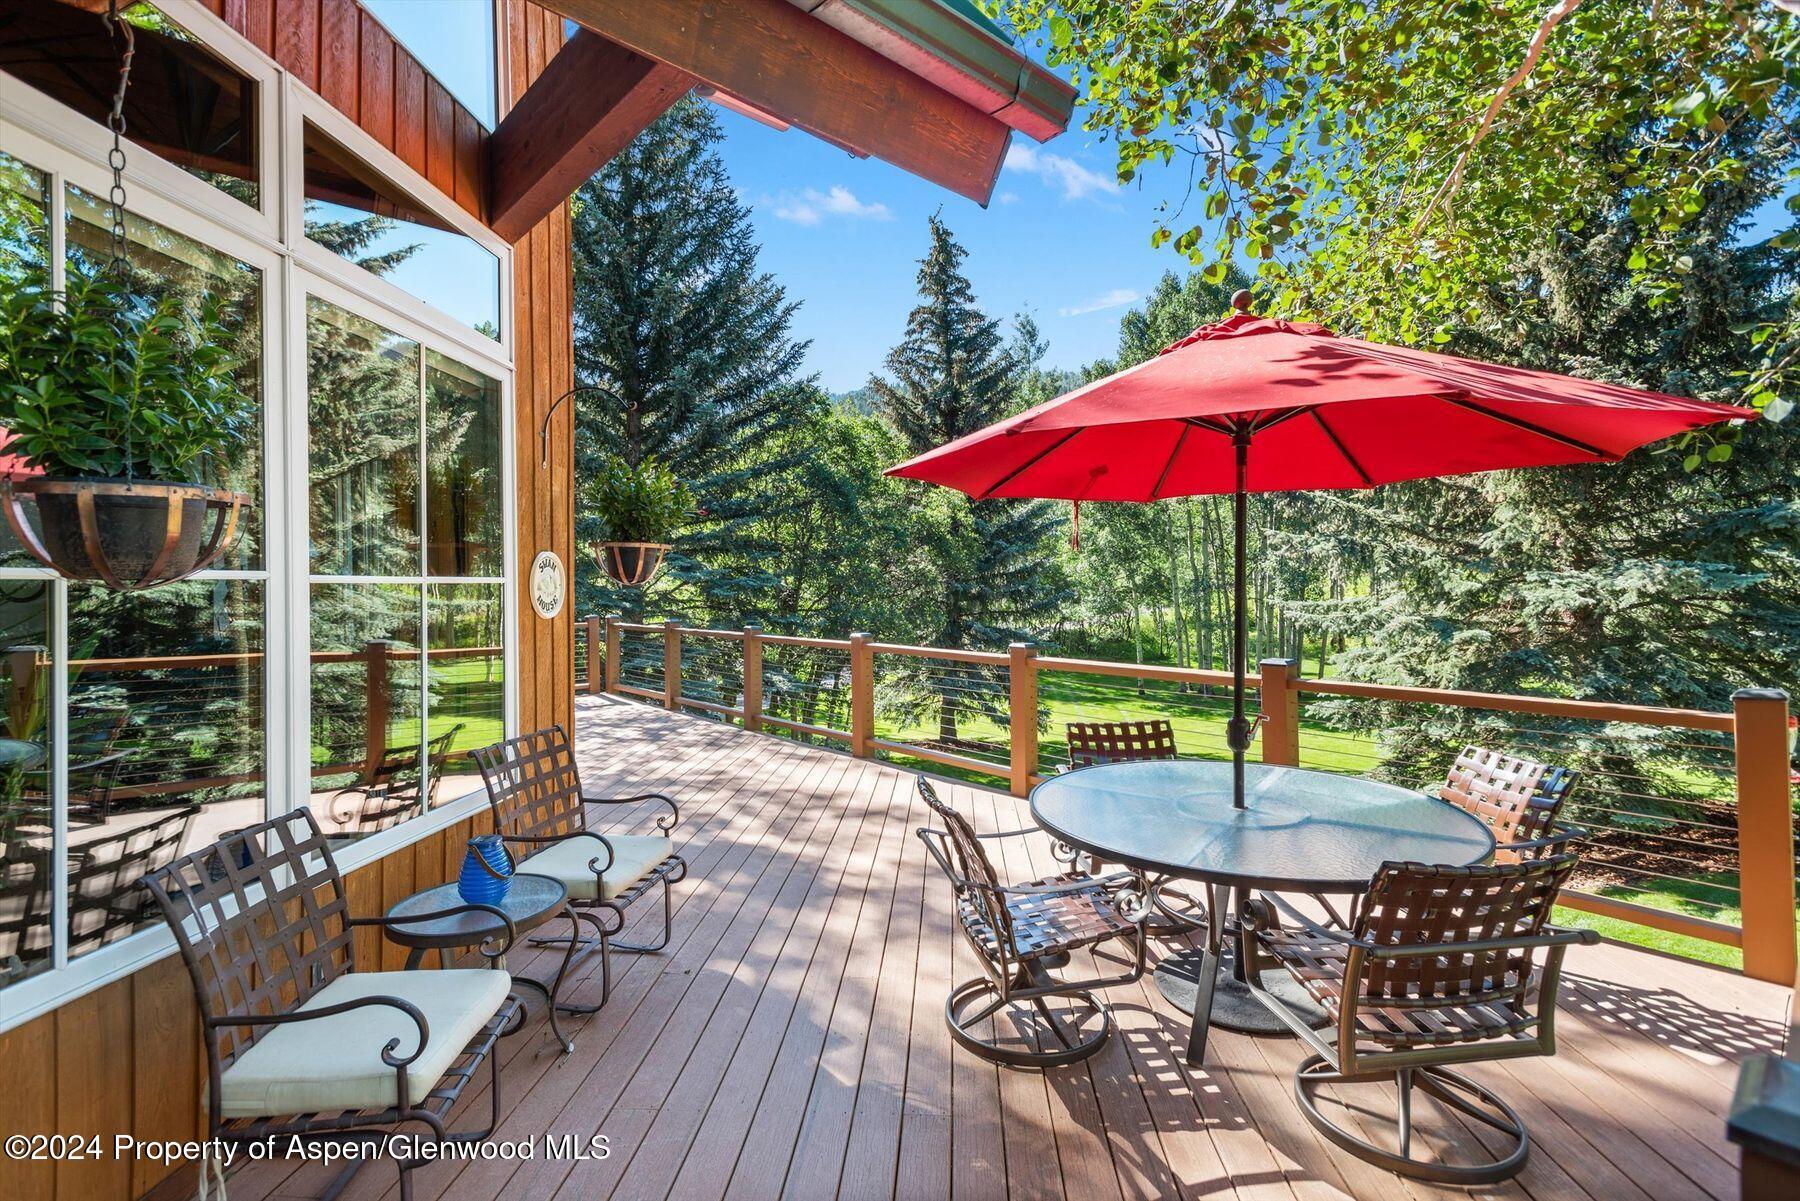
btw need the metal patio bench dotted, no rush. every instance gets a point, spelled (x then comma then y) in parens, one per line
(1020, 933)
(534, 789)
(1444, 965)
(299, 1042)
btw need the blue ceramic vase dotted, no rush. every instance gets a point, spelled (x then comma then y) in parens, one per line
(476, 884)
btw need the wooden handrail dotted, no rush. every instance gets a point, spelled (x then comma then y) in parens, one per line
(1546, 706)
(1758, 727)
(1144, 671)
(986, 658)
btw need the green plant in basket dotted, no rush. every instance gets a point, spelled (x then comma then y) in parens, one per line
(119, 405)
(641, 507)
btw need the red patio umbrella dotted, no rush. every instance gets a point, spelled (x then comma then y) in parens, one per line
(1252, 404)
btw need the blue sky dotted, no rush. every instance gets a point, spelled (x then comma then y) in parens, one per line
(1060, 240)
(844, 235)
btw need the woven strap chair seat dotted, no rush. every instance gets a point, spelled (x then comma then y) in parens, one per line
(1319, 965)
(1050, 925)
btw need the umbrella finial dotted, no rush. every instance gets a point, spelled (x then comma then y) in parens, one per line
(1240, 300)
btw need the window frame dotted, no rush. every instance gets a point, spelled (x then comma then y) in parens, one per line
(69, 148)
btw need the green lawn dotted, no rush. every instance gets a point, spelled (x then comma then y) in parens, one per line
(466, 692)
(1199, 723)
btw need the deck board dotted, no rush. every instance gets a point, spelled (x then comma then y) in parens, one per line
(790, 1040)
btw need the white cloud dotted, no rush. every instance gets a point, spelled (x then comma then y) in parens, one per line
(1007, 198)
(1118, 298)
(811, 206)
(1076, 181)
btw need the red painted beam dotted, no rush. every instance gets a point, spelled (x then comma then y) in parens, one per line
(593, 98)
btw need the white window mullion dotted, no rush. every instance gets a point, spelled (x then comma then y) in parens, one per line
(425, 782)
(59, 771)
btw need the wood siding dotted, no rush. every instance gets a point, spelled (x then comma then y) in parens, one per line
(341, 52)
(543, 369)
(127, 1058)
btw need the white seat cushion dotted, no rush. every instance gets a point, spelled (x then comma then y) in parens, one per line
(334, 1063)
(633, 855)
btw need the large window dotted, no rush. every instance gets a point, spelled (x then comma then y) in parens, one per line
(406, 553)
(185, 104)
(365, 218)
(353, 647)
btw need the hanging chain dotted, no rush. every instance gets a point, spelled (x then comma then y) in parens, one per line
(115, 121)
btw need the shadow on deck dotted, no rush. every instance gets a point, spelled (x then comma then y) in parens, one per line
(790, 1042)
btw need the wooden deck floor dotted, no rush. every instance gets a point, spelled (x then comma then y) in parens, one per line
(790, 1042)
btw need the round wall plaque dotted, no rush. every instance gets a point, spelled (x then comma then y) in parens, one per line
(549, 583)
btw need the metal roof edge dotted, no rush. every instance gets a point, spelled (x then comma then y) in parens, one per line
(935, 42)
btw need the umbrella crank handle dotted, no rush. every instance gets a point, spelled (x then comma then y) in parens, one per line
(1240, 732)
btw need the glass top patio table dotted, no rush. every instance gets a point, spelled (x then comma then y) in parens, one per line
(1300, 831)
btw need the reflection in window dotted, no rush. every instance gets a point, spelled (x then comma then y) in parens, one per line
(165, 750)
(24, 224)
(462, 474)
(185, 103)
(24, 251)
(162, 261)
(467, 678)
(357, 214)
(367, 698)
(363, 445)
(25, 758)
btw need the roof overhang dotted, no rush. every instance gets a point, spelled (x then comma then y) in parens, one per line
(927, 85)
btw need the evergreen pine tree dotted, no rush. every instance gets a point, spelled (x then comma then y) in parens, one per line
(676, 322)
(1642, 582)
(994, 561)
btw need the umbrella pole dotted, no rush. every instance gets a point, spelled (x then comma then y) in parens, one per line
(1238, 731)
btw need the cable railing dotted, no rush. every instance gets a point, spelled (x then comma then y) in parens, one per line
(1691, 811)
(191, 726)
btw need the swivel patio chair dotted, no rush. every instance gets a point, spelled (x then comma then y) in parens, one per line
(1020, 933)
(1445, 965)
(1095, 742)
(1092, 743)
(301, 1044)
(534, 789)
(1518, 799)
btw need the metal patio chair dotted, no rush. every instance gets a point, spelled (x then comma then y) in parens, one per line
(1518, 799)
(1021, 932)
(534, 789)
(1444, 965)
(1092, 743)
(299, 1043)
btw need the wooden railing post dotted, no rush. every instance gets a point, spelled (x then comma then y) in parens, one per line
(611, 676)
(1281, 712)
(753, 651)
(672, 664)
(27, 705)
(862, 695)
(377, 704)
(1022, 724)
(597, 660)
(1765, 819)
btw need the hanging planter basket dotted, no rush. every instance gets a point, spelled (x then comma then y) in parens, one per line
(128, 534)
(632, 564)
